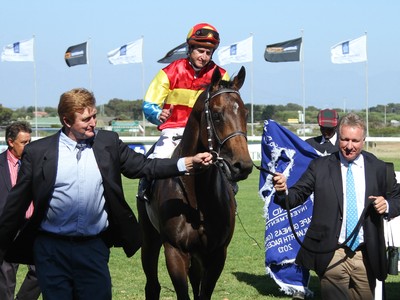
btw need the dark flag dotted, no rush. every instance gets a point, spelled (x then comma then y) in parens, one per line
(76, 55)
(285, 51)
(176, 53)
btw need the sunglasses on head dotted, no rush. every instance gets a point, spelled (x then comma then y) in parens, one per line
(206, 32)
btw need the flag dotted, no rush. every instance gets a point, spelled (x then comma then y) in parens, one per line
(76, 55)
(130, 53)
(174, 54)
(19, 51)
(239, 52)
(284, 152)
(348, 52)
(283, 52)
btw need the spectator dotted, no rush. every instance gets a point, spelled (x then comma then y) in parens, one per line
(74, 179)
(328, 141)
(18, 134)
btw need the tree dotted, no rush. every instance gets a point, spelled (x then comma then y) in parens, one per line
(5, 115)
(268, 112)
(124, 109)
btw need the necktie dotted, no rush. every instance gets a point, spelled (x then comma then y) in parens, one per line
(327, 141)
(352, 215)
(19, 164)
(80, 147)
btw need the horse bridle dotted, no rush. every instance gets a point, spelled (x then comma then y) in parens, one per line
(211, 132)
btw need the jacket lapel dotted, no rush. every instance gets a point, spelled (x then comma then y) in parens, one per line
(101, 154)
(336, 178)
(50, 162)
(5, 173)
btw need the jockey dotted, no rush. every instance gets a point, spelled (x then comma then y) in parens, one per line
(174, 90)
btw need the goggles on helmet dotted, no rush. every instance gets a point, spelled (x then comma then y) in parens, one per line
(204, 32)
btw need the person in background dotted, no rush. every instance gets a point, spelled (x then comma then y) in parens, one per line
(347, 259)
(17, 136)
(328, 141)
(74, 179)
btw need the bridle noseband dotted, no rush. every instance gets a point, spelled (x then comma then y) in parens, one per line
(211, 132)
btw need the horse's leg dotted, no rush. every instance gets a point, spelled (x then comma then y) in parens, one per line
(195, 274)
(149, 253)
(215, 264)
(178, 266)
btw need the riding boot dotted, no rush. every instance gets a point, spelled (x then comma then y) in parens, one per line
(143, 189)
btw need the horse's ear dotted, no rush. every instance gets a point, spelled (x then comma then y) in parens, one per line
(216, 78)
(239, 79)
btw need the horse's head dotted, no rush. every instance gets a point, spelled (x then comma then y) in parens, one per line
(223, 125)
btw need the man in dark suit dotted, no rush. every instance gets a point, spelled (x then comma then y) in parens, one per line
(328, 141)
(18, 134)
(326, 144)
(74, 179)
(345, 270)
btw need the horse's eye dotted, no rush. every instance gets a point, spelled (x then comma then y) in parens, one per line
(217, 116)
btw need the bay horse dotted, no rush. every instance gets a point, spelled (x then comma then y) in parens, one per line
(193, 216)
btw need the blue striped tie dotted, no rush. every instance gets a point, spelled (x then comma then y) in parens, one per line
(352, 215)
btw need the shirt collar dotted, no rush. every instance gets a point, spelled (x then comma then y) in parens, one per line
(71, 144)
(358, 162)
(332, 140)
(11, 158)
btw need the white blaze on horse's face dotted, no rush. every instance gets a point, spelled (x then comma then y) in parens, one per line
(235, 108)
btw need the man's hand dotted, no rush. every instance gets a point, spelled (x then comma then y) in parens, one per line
(199, 161)
(379, 204)
(280, 183)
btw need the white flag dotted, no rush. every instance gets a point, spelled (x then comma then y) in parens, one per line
(130, 53)
(19, 51)
(239, 52)
(352, 51)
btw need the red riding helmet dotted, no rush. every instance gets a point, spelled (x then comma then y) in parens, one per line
(203, 35)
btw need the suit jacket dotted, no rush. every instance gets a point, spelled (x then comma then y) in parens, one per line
(323, 177)
(36, 180)
(315, 142)
(5, 180)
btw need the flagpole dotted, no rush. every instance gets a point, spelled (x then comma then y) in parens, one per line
(35, 88)
(90, 65)
(366, 95)
(144, 120)
(303, 83)
(252, 91)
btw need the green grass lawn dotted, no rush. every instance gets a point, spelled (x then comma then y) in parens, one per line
(244, 273)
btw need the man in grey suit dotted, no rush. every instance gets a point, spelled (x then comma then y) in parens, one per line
(17, 135)
(74, 179)
(346, 270)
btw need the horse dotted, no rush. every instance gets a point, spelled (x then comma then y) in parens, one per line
(193, 216)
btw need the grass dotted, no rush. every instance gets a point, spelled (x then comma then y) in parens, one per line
(244, 273)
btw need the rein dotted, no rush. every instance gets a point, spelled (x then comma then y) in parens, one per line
(355, 230)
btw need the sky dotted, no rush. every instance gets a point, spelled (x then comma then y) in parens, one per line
(107, 25)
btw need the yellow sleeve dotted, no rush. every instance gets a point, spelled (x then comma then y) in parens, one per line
(158, 89)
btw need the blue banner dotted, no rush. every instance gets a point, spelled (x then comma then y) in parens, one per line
(284, 152)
